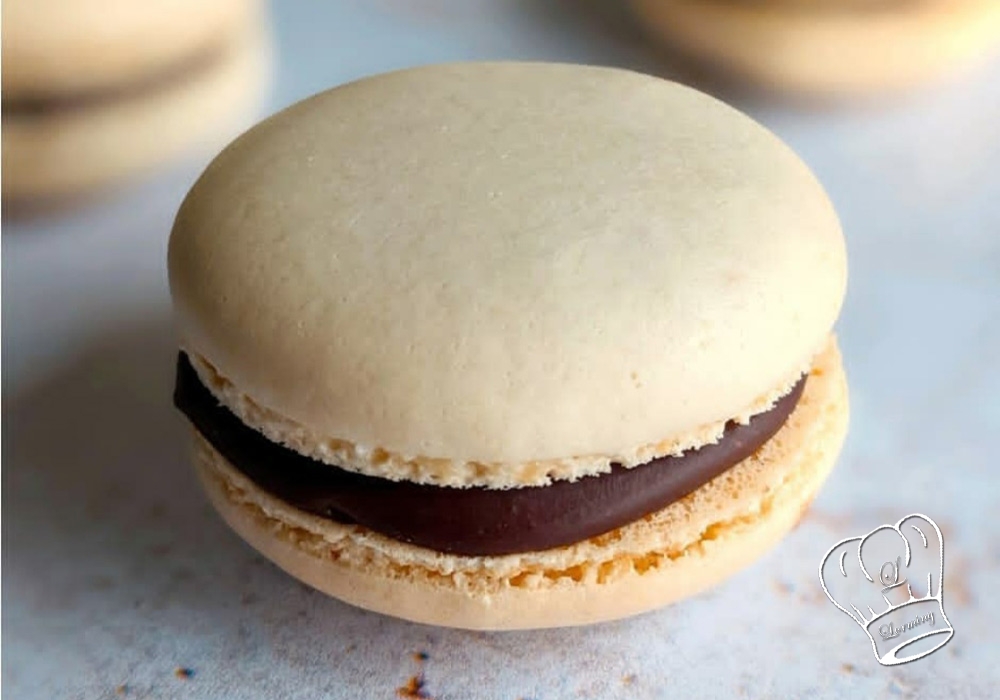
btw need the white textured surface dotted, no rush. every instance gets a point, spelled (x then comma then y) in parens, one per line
(116, 572)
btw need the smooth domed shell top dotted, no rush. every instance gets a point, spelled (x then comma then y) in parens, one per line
(504, 262)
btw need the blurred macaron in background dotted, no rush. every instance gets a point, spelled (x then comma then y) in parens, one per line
(100, 92)
(827, 48)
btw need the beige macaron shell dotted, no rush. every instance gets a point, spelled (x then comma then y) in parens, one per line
(507, 262)
(74, 150)
(55, 47)
(676, 552)
(830, 47)
(456, 472)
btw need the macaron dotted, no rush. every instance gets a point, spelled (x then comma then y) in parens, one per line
(94, 94)
(510, 345)
(833, 48)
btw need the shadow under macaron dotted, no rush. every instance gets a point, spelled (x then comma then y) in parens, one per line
(107, 533)
(105, 530)
(108, 536)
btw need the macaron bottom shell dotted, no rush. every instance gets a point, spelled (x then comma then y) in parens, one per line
(676, 552)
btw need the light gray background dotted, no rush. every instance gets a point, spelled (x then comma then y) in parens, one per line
(115, 571)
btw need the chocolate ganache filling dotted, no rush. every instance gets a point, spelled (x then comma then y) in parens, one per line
(471, 521)
(46, 104)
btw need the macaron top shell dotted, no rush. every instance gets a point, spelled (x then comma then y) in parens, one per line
(506, 262)
(55, 47)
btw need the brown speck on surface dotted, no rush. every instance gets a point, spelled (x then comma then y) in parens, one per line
(830, 521)
(847, 668)
(813, 595)
(956, 576)
(635, 380)
(628, 679)
(421, 656)
(184, 673)
(121, 690)
(413, 690)
(349, 648)
(782, 587)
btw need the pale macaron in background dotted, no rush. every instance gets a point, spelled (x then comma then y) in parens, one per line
(96, 92)
(831, 48)
(510, 345)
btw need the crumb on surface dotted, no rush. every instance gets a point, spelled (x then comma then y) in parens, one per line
(184, 673)
(847, 668)
(782, 587)
(628, 679)
(121, 689)
(812, 593)
(837, 522)
(421, 656)
(957, 577)
(413, 690)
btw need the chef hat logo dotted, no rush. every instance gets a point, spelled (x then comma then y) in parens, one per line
(891, 582)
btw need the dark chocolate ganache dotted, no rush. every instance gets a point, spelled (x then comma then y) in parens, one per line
(472, 521)
(46, 103)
